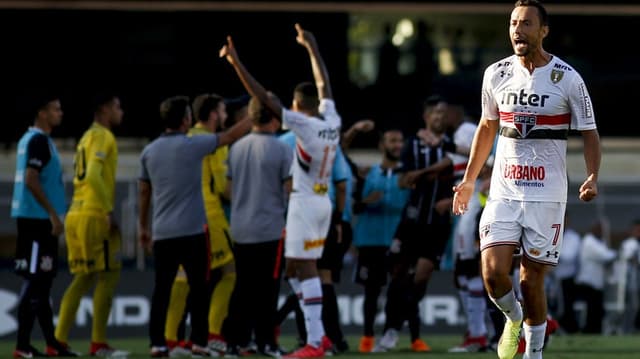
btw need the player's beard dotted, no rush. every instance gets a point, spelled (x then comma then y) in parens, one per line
(390, 155)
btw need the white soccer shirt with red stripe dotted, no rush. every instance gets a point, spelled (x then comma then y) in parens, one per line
(536, 111)
(316, 143)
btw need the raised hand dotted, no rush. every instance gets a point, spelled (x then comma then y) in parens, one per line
(304, 38)
(228, 51)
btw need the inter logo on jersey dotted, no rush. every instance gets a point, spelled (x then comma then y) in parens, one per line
(524, 123)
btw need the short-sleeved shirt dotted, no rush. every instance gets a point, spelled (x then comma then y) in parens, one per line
(258, 166)
(317, 140)
(417, 155)
(536, 111)
(97, 144)
(172, 164)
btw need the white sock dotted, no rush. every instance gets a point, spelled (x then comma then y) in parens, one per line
(312, 308)
(509, 305)
(476, 308)
(294, 283)
(534, 336)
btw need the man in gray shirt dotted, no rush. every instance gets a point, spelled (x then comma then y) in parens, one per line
(259, 176)
(171, 174)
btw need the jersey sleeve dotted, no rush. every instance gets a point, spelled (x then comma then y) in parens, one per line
(203, 145)
(489, 104)
(340, 171)
(144, 172)
(328, 110)
(582, 117)
(100, 147)
(38, 152)
(287, 160)
(297, 122)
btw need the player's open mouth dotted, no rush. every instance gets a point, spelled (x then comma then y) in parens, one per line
(519, 42)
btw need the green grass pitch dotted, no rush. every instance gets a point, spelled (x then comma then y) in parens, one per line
(560, 347)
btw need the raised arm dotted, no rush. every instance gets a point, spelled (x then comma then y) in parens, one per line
(253, 87)
(320, 74)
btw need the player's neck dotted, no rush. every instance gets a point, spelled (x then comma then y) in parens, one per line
(102, 122)
(388, 163)
(535, 59)
(43, 126)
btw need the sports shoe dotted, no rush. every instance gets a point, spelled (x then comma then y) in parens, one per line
(177, 350)
(471, 345)
(308, 351)
(60, 350)
(508, 344)
(202, 352)
(326, 345)
(420, 346)
(273, 351)
(28, 352)
(366, 344)
(389, 340)
(106, 351)
(216, 342)
(159, 352)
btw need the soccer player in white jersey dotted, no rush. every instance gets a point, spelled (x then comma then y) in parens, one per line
(314, 120)
(533, 98)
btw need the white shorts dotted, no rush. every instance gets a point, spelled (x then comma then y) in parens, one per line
(308, 220)
(536, 226)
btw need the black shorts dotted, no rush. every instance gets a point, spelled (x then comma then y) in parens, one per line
(333, 252)
(36, 248)
(372, 269)
(423, 240)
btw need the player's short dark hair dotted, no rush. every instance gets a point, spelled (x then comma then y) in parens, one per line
(173, 110)
(102, 99)
(432, 101)
(40, 98)
(259, 113)
(542, 12)
(306, 94)
(386, 130)
(203, 105)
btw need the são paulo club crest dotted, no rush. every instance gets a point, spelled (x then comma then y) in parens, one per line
(524, 123)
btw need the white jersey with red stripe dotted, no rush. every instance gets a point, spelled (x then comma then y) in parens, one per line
(536, 111)
(316, 142)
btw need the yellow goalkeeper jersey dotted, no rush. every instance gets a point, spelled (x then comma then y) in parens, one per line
(214, 176)
(95, 166)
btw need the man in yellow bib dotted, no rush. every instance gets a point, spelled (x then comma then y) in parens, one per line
(92, 236)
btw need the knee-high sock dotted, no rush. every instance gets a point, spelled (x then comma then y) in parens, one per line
(330, 313)
(312, 308)
(396, 304)
(508, 304)
(80, 285)
(44, 313)
(177, 305)
(370, 308)
(220, 302)
(476, 308)
(417, 292)
(102, 300)
(534, 336)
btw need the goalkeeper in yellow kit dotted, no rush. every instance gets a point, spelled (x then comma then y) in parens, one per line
(210, 114)
(92, 236)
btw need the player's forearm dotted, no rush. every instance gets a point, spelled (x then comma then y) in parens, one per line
(144, 201)
(592, 152)
(480, 148)
(253, 87)
(235, 132)
(320, 73)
